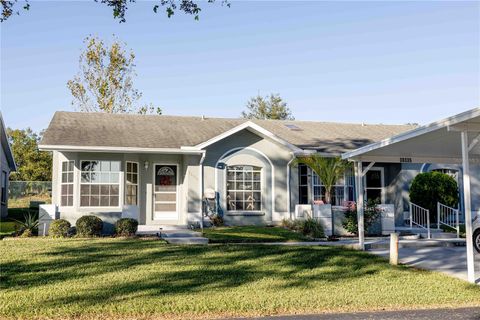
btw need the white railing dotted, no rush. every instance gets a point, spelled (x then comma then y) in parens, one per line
(448, 216)
(420, 217)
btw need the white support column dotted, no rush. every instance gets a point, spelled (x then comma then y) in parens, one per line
(468, 207)
(360, 203)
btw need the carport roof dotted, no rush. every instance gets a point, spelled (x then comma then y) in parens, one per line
(437, 142)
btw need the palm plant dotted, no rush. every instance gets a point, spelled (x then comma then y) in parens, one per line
(328, 169)
(29, 224)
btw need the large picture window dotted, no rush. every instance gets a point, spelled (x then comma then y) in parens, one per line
(244, 188)
(100, 184)
(131, 183)
(342, 191)
(66, 196)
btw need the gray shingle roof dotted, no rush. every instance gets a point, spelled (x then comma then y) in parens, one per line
(151, 131)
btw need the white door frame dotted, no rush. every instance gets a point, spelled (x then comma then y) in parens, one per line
(173, 215)
(382, 181)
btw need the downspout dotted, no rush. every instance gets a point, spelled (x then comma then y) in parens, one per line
(288, 187)
(202, 159)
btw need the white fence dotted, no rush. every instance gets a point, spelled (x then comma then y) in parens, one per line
(449, 217)
(420, 217)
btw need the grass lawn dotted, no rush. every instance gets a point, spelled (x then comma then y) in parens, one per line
(252, 234)
(110, 278)
(7, 227)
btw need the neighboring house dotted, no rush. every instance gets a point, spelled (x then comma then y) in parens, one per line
(7, 164)
(160, 166)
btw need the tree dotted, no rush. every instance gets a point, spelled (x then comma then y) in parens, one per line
(119, 7)
(33, 164)
(328, 169)
(269, 107)
(105, 80)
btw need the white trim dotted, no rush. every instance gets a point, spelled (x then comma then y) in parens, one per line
(61, 183)
(252, 127)
(445, 123)
(12, 165)
(169, 215)
(44, 147)
(137, 184)
(260, 153)
(382, 182)
(289, 200)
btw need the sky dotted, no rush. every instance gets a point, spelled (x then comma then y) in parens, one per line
(373, 62)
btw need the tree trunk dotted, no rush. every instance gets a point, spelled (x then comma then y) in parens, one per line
(328, 195)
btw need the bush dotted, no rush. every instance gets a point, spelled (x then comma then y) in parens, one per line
(89, 226)
(370, 214)
(217, 220)
(312, 228)
(59, 228)
(126, 227)
(431, 187)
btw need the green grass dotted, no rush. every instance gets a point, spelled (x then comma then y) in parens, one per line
(7, 227)
(250, 234)
(109, 278)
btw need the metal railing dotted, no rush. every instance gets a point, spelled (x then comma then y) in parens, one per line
(420, 217)
(449, 217)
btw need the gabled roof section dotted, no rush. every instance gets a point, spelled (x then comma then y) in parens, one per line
(79, 130)
(6, 145)
(252, 127)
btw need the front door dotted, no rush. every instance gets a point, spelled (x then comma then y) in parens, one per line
(165, 192)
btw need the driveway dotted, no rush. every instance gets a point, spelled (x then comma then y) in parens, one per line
(449, 260)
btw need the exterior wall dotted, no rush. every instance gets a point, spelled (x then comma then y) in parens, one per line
(4, 167)
(249, 149)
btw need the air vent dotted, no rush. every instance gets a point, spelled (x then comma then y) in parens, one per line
(293, 127)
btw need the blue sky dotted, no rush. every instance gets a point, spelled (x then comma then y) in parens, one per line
(388, 62)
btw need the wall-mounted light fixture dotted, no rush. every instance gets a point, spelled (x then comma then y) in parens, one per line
(145, 164)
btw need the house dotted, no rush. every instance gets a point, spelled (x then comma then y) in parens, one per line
(159, 167)
(7, 165)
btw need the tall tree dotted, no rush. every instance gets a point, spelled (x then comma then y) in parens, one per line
(105, 80)
(33, 164)
(328, 169)
(119, 7)
(269, 107)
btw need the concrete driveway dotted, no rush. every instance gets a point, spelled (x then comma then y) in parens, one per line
(449, 260)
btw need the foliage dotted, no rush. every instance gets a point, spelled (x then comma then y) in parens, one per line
(29, 225)
(119, 7)
(126, 227)
(217, 220)
(269, 107)
(249, 234)
(89, 226)
(370, 215)
(59, 228)
(105, 80)
(8, 227)
(33, 164)
(431, 187)
(312, 228)
(118, 278)
(328, 169)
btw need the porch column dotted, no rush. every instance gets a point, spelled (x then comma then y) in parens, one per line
(360, 203)
(468, 207)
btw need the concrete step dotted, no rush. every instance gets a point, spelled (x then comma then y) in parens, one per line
(180, 234)
(420, 243)
(187, 240)
(156, 229)
(440, 235)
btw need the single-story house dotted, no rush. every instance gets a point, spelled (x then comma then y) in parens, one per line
(161, 166)
(7, 165)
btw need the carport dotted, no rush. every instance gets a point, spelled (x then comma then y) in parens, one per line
(454, 140)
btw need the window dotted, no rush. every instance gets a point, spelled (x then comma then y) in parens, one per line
(341, 191)
(100, 184)
(131, 183)
(244, 188)
(302, 184)
(4, 187)
(374, 185)
(66, 192)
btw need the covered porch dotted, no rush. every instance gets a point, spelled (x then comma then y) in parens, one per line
(454, 140)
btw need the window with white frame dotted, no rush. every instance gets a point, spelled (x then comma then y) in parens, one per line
(66, 189)
(244, 188)
(342, 191)
(100, 183)
(131, 183)
(4, 187)
(303, 184)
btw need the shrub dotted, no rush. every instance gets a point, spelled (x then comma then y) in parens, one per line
(59, 228)
(370, 214)
(126, 227)
(217, 220)
(431, 187)
(89, 226)
(312, 228)
(29, 224)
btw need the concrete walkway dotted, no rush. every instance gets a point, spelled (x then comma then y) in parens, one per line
(448, 260)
